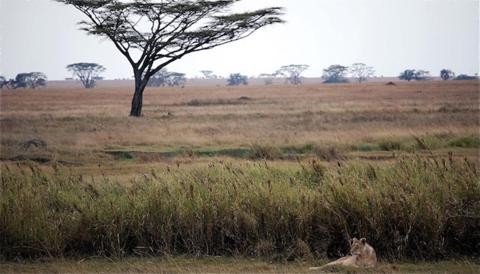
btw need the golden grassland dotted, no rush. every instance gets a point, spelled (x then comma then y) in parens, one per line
(276, 173)
(80, 125)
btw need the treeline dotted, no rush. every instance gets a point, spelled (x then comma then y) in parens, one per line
(360, 72)
(89, 73)
(25, 80)
(422, 75)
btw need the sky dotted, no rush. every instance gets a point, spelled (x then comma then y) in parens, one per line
(390, 35)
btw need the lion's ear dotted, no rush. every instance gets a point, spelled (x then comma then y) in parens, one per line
(354, 239)
(363, 240)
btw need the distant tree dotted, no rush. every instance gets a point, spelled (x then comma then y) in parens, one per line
(422, 75)
(176, 79)
(447, 74)
(22, 80)
(37, 79)
(411, 74)
(361, 72)
(158, 79)
(292, 73)
(87, 73)
(166, 78)
(237, 79)
(465, 77)
(29, 80)
(164, 31)
(335, 74)
(268, 78)
(408, 74)
(208, 74)
(3, 81)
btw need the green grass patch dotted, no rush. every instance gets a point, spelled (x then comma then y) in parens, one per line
(465, 142)
(328, 152)
(418, 143)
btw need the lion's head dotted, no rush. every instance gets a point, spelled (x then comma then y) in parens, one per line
(357, 246)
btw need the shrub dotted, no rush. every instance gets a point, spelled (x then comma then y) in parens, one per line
(236, 79)
(328, 153)
(389, 145)
(265, 152)
(465, 77)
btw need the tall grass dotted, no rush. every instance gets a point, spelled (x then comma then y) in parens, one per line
(415, 208)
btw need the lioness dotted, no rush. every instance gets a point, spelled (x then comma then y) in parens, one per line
(362, 255)
(366, 256)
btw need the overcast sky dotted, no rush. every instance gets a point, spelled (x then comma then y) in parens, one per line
(390, 35)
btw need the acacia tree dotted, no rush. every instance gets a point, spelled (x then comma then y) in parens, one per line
(237, 79)
(208, 74)
(268, 78)
(164, 31)
(408, 74)
(166, 78)
(3, 81)
(335, 74)
(29, 80)
(447, 74)
(87, 73)
(176, 79)
(293, 73)
(422, 75)
(361, 72)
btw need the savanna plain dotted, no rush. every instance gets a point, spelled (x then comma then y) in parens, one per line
(240, 179)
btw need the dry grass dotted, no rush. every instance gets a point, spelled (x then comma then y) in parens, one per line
(415, 209)
(220, 265)
(85, 121)
(89, 131)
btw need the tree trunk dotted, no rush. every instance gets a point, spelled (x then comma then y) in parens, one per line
(137, 101)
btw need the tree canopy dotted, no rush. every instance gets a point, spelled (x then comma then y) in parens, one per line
(447, 74)
(87, 73)
(361, 72)
(408, 74)
(152, 35)
(237, 79)
(208, 74)
(3, 81)
(335, 74)
(412, 74)
(166, 78)
(422, 75)
(30, 80)
(292, 73)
